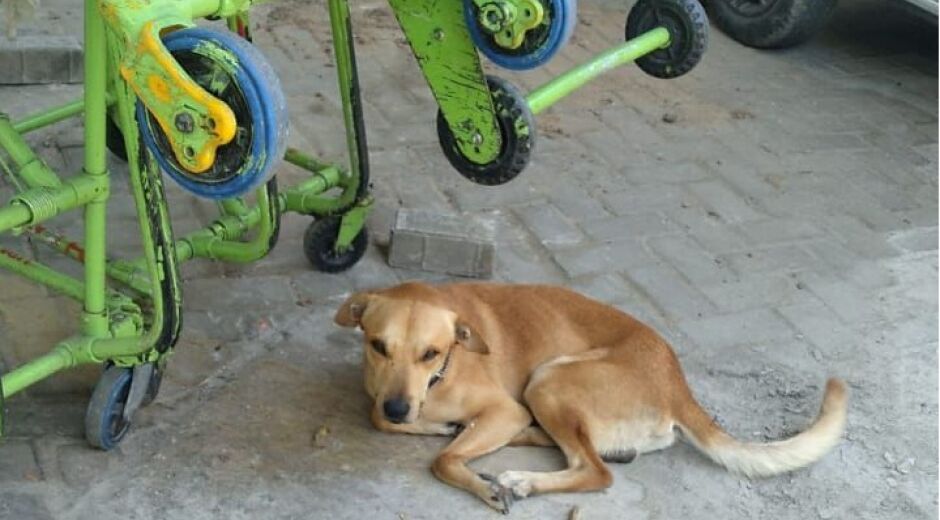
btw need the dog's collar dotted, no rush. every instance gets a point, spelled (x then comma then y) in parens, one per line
(439, 375)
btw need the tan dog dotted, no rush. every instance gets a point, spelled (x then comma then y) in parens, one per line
(539, 365)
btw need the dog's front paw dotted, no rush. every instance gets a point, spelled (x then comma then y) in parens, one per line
(496, 495)
(516, 481)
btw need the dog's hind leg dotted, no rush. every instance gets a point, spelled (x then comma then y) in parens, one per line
(585, 472)
(532, 436)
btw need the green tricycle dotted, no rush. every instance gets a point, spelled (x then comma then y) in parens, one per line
(203, 106)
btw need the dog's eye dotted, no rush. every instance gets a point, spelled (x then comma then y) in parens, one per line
(429, 355)
(379, 346)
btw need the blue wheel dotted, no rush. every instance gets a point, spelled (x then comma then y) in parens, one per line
(105, 424)
(540, 44)
(250, 87)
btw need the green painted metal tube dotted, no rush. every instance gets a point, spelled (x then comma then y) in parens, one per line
(549, 93)
(95, 319)
(38, 369)
(298, 158)
(37, 205)
(32, 169)
(42, 274)
(15, 215)
(48, 117)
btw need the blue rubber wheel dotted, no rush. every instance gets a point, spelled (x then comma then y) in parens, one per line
(540, 44)
(250, 87)
(105, 425)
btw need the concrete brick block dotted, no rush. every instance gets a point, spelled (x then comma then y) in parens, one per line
(30, 59)
(443, 243)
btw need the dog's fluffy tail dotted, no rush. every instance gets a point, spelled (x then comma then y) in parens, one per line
(762, 459)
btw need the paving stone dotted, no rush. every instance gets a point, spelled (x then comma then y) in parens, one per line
(18, 463)
(859, 238)
(629, 227)
(821, 326)
(80, 465)
(847, 300)
(608, 288)
(642, 199)
(550, 226)
(742, 328)
(671, 292)
(603, 257)
(920, 239)
(23, 506)
(260, 292)
(697, 265)
(722, 201)
(755, 291)
(774, 259)
(776, 231)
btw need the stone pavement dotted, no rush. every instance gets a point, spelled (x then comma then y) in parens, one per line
(773, 214)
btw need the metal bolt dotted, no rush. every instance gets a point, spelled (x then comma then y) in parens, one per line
(184, 123)
(477, 139)
(438, 34)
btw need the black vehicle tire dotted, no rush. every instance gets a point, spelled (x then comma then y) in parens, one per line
(770, 24)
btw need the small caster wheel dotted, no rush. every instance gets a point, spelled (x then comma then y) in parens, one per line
(320, 241)
(539, 45)
(105, 424)
(517, 128)
(234, 71)
(114, 140)
(688, 35)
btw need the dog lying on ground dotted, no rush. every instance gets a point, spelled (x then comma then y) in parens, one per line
(501, 365)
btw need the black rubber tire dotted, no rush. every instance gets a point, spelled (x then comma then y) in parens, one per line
(687, 24)
(105, 426)
(319, 239)
(511, 106)
(114, 140)
(770, 24)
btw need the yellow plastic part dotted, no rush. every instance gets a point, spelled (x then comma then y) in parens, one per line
(168, 85)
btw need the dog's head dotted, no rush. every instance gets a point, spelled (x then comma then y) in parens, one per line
(409, 334)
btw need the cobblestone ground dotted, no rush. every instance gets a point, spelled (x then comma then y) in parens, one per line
(774, 214)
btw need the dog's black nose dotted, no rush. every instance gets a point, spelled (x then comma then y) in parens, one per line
(396, 410)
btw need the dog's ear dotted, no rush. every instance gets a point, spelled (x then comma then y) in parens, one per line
(469, 339)
(350, 312)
